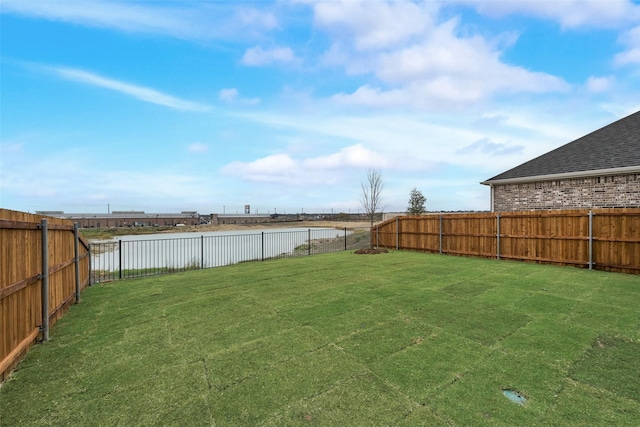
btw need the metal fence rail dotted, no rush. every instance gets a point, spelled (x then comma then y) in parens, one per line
(122, 259)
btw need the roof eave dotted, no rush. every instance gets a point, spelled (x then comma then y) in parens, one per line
(567, 175)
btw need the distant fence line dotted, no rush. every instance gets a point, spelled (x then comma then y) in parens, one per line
(44, 265)
(122, 259)
(603, 239)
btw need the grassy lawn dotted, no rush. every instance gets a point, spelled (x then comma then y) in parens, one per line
(341, 339)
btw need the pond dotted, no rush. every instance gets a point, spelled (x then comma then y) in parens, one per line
(149, 254)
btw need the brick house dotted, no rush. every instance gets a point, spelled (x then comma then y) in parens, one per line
(599, 170)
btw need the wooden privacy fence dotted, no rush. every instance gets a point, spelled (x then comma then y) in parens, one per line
(44, 265)
(604, 239)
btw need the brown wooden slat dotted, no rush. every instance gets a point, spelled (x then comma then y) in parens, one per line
(63, 304)
(60, 227)
(542, 237)
(556, 214)
(547, 260)
(558, 237)
(60, 266)
(15, 287)
(10, 358)
(20, 268)
(20, 225)
(616, 239)
(620, 267)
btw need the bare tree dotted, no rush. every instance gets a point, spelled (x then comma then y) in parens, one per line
(371, 194)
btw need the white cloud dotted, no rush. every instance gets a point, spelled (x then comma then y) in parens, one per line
(631, 55)
(279, 168)
(628, 57)
(374, 24)
(228, 95)
(424, 65)
(569, 13)
(599, 84)
(324, 169)
(257, 56)
(61, 180)
(231, 96)
(198, 147)
(486, 147)
(352, 156)
(193, 20)
(140, 92)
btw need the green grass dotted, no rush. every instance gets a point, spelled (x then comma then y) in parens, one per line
(341, 339)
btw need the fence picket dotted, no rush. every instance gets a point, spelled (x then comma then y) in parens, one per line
(23, 271)
(608, 239)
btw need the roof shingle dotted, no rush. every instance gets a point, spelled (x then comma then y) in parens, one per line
(616, 145)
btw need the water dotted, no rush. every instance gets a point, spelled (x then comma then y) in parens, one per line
(177, 251)
(514, 396)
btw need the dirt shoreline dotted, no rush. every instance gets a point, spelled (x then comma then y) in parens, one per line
(95, 234)
(349, 225)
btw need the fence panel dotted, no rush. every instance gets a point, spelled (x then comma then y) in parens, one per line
(21, 279)
(556, 237)
(617, 240)
(138, 257)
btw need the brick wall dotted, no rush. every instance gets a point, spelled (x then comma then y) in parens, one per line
(615, 191)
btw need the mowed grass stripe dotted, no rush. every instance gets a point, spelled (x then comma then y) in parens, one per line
(339, 339)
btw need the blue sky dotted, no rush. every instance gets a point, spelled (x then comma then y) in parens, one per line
(166, 106)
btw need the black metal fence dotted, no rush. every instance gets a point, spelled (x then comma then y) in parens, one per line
(137, 256)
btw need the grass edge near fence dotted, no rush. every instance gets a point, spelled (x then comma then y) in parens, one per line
(367, 287)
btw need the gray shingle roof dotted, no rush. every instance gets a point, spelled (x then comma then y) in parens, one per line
(616, 145)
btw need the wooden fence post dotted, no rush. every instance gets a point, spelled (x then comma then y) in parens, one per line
(590, 240)
(44, 290)
(498, 236)
(440, 234)
(397, 233)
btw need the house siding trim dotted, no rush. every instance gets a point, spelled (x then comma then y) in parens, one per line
(568, 175)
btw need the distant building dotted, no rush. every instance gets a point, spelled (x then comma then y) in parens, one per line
(127, 218)
(599, 170)
(240, 219)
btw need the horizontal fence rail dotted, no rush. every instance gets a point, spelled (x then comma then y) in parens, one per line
(120, 259)
(604, 239)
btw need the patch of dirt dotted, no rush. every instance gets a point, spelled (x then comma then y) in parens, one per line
(370, 251)
(350, 225)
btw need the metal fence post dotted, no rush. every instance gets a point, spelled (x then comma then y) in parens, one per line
(90, 264)
(76, 260)
(498, 236)
(309, 240)
(119, 259)
(345, 238)
(590, 240)
(44, 293)
(201, 251)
